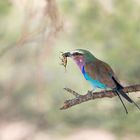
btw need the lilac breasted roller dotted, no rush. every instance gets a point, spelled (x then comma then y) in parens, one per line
(98, 73)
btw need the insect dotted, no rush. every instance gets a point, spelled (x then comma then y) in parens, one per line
(63, 60)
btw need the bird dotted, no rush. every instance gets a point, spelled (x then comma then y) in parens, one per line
(98, 73)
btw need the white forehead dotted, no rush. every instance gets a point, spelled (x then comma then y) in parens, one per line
(76, 51)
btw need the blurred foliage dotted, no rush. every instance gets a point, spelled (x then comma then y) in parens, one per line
(116, 31)
(32, 80)
(4, 7)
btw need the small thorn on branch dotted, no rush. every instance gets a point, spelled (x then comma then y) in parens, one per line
(72, 92)
(94, 95)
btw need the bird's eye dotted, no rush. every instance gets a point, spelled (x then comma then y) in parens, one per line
(76, 53)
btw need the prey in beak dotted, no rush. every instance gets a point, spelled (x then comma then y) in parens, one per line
(64, 58)
(73, 54)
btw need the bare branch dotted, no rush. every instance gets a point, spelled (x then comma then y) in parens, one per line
(94, 95)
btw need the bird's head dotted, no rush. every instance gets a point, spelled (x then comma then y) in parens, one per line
(80, 56)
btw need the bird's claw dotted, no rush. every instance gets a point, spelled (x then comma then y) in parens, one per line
(89, 94)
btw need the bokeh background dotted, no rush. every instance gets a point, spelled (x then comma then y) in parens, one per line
(33, 33)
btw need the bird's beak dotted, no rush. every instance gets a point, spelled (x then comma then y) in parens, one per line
(67, 54)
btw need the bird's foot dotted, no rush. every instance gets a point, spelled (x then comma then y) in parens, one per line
(89, 94)
(91, 90)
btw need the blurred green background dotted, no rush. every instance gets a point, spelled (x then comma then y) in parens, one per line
(32, 35)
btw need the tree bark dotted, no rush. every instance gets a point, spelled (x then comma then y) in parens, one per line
(94, 95)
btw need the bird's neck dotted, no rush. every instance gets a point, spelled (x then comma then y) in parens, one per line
(80, 62)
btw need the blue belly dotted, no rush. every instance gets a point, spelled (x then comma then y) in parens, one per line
(94, 83)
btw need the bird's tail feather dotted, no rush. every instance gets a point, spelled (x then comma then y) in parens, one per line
(125, 96)
(122, 101)
(119, 90)
(128, 98)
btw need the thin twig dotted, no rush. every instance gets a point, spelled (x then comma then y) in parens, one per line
(94, 95)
